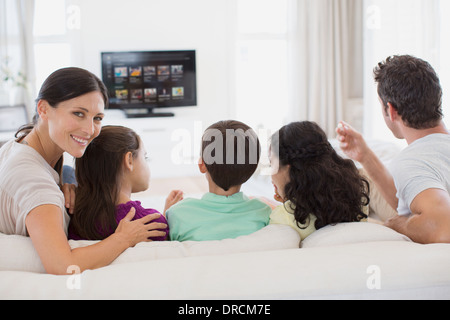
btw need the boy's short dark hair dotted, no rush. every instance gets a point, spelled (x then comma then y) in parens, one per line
(230, 152)
(412, 87)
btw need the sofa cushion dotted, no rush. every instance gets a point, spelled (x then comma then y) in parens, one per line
(348, 233)
(18, 253)
(272, 237)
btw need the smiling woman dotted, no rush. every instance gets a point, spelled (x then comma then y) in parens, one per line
(70, 113)
(70, 109)
(82, 121)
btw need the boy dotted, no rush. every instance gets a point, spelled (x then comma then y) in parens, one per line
(230, 156)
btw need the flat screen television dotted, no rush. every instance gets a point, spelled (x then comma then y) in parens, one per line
(141, 81)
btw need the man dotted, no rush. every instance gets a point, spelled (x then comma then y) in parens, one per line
(419, 182)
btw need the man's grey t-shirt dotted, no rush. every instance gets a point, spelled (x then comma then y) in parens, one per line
(423, 165)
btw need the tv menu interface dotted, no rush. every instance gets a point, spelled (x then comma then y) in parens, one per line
(153, 79)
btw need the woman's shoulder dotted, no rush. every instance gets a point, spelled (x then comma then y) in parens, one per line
(16, 156)
(20, 168)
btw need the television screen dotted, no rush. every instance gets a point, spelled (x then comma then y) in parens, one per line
(150, 79)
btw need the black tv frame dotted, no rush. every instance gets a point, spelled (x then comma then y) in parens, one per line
(162, 79)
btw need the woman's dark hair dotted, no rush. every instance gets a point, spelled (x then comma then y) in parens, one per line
(230, 152)
(62, 85)
(321, 182)
(98, 175)
(412, 87)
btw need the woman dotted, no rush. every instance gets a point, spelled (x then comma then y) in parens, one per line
(70, 109)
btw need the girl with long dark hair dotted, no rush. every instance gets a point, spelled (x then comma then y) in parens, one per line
(316, 185)
(113, 167)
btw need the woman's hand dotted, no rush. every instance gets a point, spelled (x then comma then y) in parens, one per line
(140, 230)
(69, 196)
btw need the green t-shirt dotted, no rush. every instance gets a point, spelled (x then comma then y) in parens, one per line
(215, 217)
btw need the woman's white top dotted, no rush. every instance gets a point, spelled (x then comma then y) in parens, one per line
(27, 181)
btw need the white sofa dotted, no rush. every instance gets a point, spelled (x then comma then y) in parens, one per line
(346, 261)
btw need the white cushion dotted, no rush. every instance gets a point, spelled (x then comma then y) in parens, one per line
(349, 233)
(18, 253)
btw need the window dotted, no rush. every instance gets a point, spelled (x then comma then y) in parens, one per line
(262, 91)
(55, 41)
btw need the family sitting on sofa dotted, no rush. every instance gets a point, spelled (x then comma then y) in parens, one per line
(314, 186)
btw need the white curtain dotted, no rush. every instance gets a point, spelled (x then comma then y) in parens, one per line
(396, 28)
(16, 50)
(327, 55)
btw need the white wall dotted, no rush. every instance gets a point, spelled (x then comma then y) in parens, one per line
(202, 25)
(444, 67)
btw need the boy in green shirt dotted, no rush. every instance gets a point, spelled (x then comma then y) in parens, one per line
(230, 156)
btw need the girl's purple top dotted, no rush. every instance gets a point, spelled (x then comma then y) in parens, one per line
(122, 211)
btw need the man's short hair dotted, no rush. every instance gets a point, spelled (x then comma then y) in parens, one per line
(412, 87)
(230, 152)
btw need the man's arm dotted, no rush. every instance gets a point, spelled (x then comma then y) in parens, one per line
(430, 219)
(354, 146)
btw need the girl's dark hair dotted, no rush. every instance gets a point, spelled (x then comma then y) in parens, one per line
(62, 85)
(321, 182)
(98, 175)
